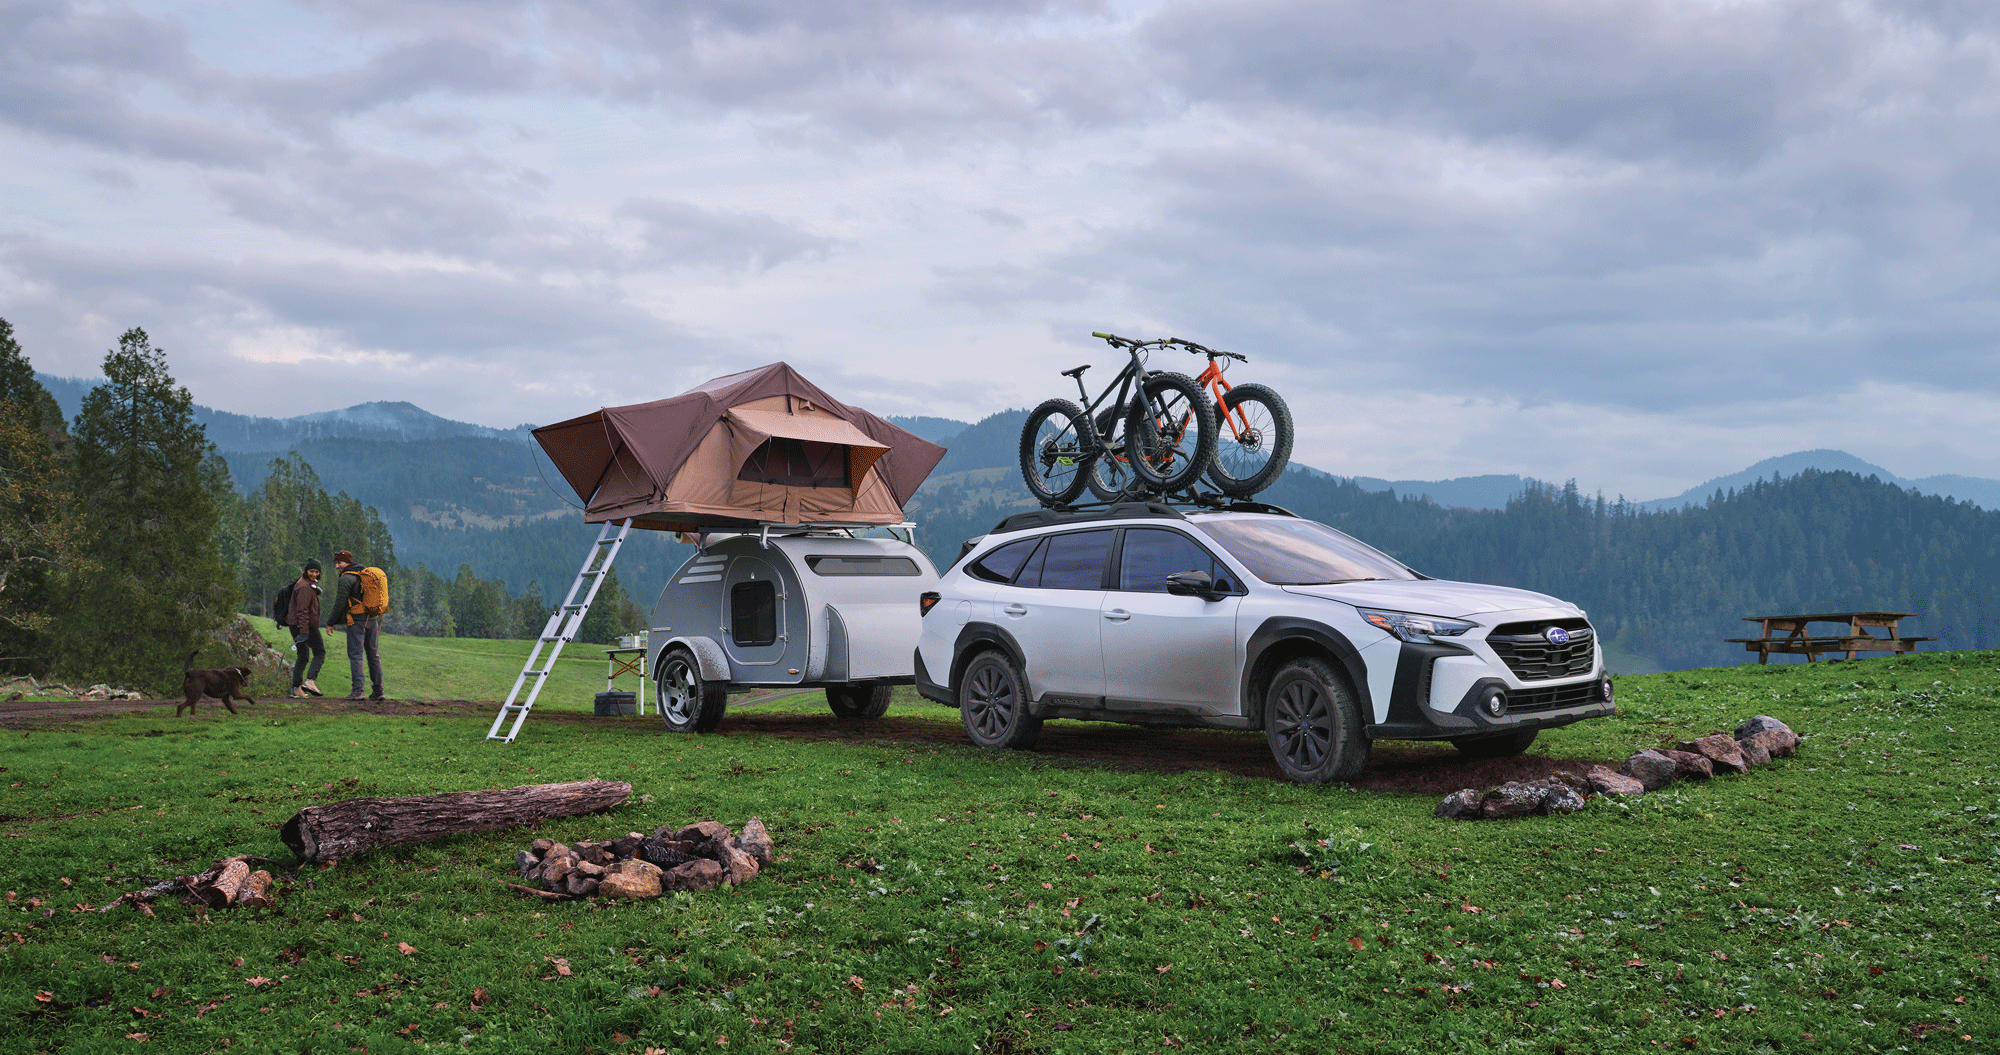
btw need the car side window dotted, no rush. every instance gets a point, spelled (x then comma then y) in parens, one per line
(1074, 561)
(1149, 555)
(1001, 564)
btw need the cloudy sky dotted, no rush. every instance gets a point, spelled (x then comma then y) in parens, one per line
(1638, 243)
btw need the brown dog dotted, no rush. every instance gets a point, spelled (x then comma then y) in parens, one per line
(223, 684)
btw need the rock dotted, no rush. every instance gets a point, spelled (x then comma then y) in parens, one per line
(541, 847)
(526, 863)
(1651, 769)
(1460, 805)
(1689, 765)
(1754, 752)
(1778, 743)
(1721, 750)
(737, 867)
(626, 847)
(631, 878)
(580, 885)
(594, 853)
(556, 867)
(1605, 782)
(698, 874)
(756, 842)
(590, 868)
(1759, 724)
(1512, 799)
(1561, 798)
(248, 648)
(706, 838)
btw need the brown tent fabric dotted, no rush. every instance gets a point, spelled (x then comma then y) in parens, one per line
(760, 446)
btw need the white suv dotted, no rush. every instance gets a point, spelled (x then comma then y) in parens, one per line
(1245, 618)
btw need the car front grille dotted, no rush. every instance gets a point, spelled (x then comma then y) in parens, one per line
(1527, 651)
(1528, 701)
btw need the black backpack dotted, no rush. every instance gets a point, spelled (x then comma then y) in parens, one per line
(281, 605)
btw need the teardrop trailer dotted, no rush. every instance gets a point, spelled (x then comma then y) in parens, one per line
(807, 574)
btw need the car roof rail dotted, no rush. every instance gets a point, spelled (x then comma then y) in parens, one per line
(1053, 515)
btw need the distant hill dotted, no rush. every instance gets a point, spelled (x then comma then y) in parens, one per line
(1980, 492)
(936, 430)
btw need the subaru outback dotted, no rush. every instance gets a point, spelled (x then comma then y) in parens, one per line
(1245, 618)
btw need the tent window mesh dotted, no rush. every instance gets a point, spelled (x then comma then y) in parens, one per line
(753, 613)
(796, 463)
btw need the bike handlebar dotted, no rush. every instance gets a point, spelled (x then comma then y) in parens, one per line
(1196, 349)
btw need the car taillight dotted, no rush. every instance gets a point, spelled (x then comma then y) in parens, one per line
(927, 601)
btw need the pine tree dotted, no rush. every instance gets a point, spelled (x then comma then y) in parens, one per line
(150, 492)
(531, 612)
(611, 614)
(39, 532)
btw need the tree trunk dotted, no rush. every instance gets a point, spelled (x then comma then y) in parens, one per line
(343, 829)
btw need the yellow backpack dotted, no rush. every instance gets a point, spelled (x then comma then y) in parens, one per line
(374, 591)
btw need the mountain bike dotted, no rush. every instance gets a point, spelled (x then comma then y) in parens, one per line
(1253, 442)
(1168, 437)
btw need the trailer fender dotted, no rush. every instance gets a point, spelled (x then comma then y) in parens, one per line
(708, 656)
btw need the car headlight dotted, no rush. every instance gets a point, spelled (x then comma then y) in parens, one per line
(1417, 629)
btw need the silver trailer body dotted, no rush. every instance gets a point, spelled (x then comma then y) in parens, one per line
(807, 608)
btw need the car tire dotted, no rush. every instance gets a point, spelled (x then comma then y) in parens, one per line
(993, 703)
(687, 703)
(1313, 723)
(1503, 745)
(860, 700)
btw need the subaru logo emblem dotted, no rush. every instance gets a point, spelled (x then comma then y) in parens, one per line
(1556, 635)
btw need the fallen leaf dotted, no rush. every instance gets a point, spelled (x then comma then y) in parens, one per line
(140, 1037)
(406, 948)
(257, 982)
(854, 982)
(1468, 908)
(1163, 968)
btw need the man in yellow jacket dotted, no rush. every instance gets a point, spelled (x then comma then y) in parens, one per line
(364, 631)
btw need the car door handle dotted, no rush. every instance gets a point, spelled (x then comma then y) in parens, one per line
(1016, 609)
(1118, 615)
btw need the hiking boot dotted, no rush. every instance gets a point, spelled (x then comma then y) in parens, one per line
(298, 693)
(354, 699)
(310, 687)
(378, 698)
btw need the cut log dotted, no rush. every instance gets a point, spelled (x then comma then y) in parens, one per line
(344, 829)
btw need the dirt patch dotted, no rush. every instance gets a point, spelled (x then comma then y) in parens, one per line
(1426, 769)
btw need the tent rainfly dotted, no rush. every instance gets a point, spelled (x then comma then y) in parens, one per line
(760, 447)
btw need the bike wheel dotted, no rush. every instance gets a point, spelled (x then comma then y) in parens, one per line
(1057, 447)
(1253, 443)
(1170, 434)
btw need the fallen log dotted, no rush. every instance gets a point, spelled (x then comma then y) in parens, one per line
(354, 826)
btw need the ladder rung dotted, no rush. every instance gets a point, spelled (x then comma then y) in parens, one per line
(533, 673)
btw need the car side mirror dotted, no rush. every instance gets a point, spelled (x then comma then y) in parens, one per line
(1194, 584)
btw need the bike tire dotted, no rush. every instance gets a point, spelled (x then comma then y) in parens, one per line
(1253, 443)
(1058, 445)
(1170, 434)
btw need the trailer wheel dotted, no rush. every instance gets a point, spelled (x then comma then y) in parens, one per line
(859, 700)
(687, 703)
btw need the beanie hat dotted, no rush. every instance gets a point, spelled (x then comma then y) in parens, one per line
(343, 557)
(312, 563)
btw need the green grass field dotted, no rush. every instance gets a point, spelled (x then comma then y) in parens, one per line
(439, 668)
(933, 898)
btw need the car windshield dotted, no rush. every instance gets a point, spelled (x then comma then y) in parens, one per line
(1301, 552)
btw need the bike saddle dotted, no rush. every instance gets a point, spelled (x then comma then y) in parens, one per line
(1077, 373)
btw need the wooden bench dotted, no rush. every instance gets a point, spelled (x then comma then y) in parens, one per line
(1788, 634)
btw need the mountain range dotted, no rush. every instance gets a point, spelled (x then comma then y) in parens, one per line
(456, 494)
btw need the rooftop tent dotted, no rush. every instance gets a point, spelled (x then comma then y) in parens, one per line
(762, 446)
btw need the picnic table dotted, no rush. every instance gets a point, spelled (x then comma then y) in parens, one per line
(1788, 634)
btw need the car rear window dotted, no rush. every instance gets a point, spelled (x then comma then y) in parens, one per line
(1072, 562)
(1292, 552)
(1003, 563)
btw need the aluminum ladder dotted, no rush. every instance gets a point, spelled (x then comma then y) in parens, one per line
(563, 626)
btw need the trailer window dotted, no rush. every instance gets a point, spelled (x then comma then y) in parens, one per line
(753, 612)
(832, 565)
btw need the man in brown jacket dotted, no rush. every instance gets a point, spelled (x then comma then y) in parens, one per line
(303, 618)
